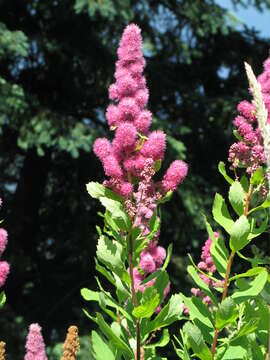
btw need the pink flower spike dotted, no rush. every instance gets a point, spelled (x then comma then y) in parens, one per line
(3, 240)
(4, 271)
(174, 175)
(35, 347)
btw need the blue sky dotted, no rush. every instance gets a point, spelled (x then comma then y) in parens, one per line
(252, 17)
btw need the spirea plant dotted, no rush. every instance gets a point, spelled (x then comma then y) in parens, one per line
(128, 253)
(229, 312)
(226, 316)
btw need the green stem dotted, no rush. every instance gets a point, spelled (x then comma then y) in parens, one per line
(134, 297)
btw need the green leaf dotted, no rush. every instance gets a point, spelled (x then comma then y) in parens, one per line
(196, 341)
(255, 232)
(239, 234)
(201, 284)
(163, 341)
(117, 341)
(149, 303)
(237, 197)
(110, 253)
(95, 189)
(116, 210)
(201, 316)
(101, 349)
(247, 328)
(170, 313)
(264, 205)
(257, 177)
(251, 289)
(157, 165)
(245, 183)
(251, 272)
(221, 213)
(227, 313)
(165, 198)
(222, 170)
(218, 250)
(2, 299)
(168, 257)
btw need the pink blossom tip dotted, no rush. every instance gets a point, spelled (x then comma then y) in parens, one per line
(175, 175)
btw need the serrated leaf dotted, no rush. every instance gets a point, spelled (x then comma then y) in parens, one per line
(239, 233)
(110, 253)
(222, 170)
(221, 213)
(116, 210)
(101, 349)
(237, 197)
(149, 303)
(226, 314)
(170, 313)
(196, 341)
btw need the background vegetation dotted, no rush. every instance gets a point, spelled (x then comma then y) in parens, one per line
(56, 63)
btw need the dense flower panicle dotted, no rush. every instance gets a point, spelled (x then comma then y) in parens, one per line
(249, 151)
(71, 345)
(130, 159)
(35, 347)
(2, 350)
(174, 176)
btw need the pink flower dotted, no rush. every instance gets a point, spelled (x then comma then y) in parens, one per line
(3, 240)
(155, 146)
(174, 175)
(143, 121)
(35, 347)
(125, 136)
(128, 109)
(102, 148)
(113, 115)
(4, 271)
(147, 263)
(112, 167)
(159, 255)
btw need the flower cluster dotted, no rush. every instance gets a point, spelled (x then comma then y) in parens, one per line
(35, 347)
(249, 151)
(4, 266)
(71, 345)
(134, 152)
(126, 156)
(207, 266)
